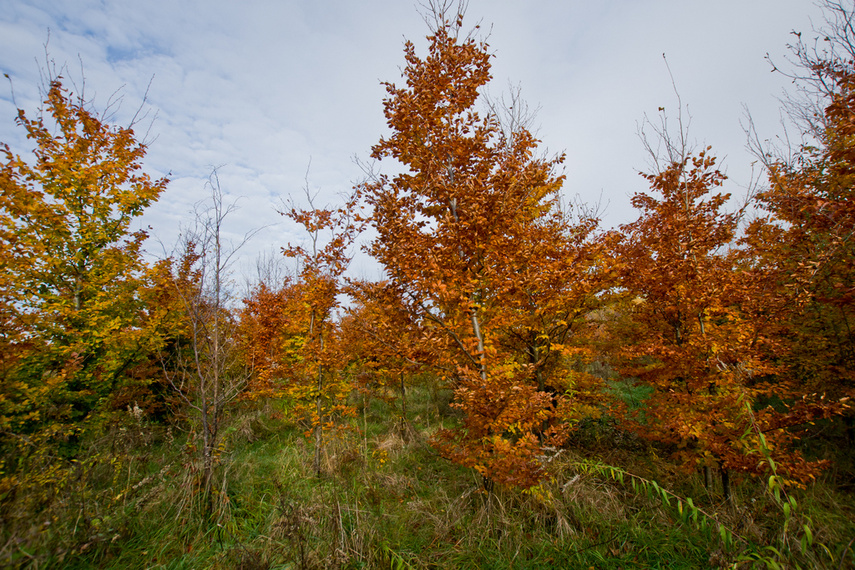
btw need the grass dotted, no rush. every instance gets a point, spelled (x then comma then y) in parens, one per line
(387, 500)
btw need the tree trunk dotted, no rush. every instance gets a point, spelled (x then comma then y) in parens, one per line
(319, 433)
(488, 485)
(534, 359)
(365, 424)
(404, 431)
(849, 422)
(725, 486)
(476, 330)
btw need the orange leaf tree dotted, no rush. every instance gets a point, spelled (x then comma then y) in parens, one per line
(694, 335)
(471, 235)
(802, 251)
(318, 378)
(270, 337)
(805, 249)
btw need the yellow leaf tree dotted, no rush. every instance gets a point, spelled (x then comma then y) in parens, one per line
(71, 264)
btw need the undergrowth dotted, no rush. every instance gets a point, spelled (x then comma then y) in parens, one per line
(386, 500)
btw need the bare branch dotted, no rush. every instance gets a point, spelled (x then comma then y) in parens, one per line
(669, 147)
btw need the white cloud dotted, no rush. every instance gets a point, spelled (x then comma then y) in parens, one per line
(262, 87)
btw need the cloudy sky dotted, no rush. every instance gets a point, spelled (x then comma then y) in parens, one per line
(263, 89)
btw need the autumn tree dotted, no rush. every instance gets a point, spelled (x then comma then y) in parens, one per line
(71, 264)
(473, 206)
(674, 268)
(72, 320)
(318, 378)
(694, 334)
(268, 335)
(802, 240)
